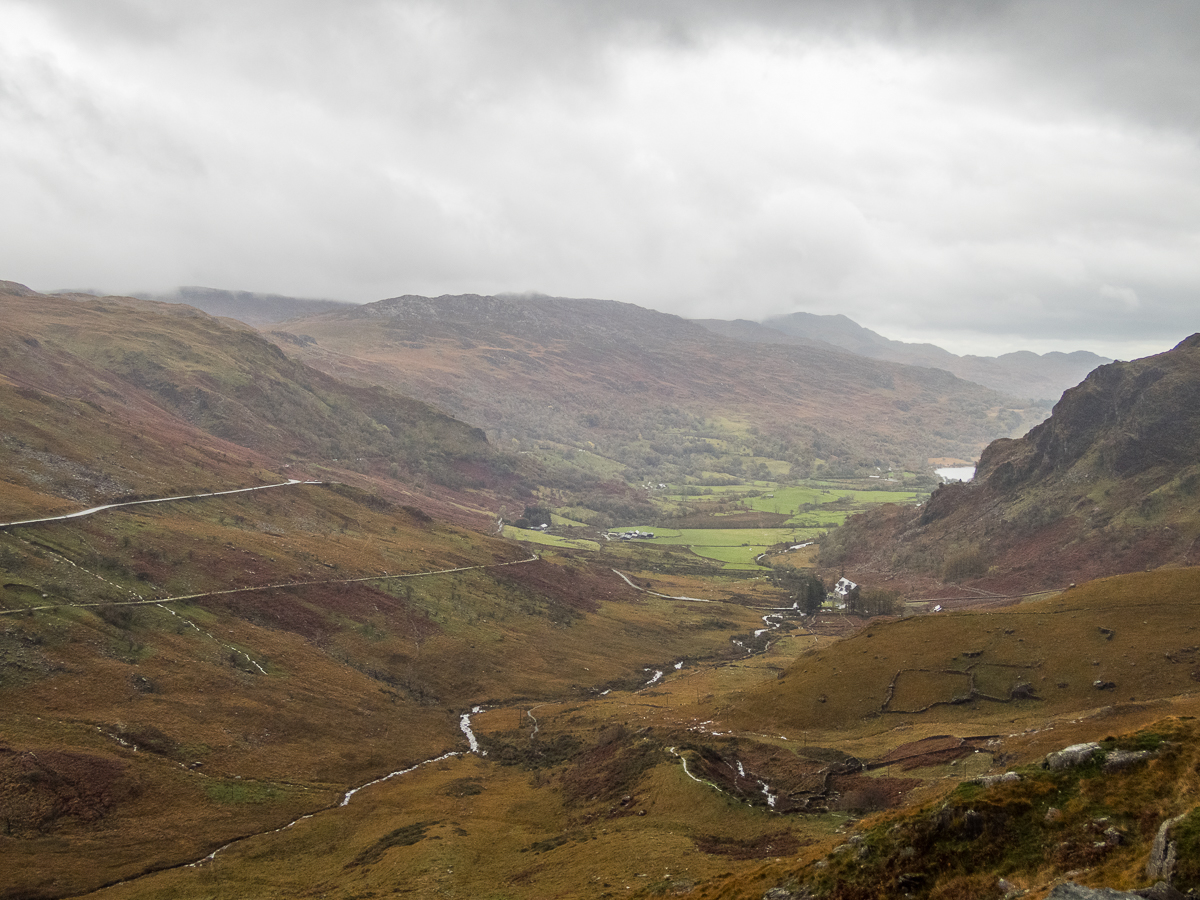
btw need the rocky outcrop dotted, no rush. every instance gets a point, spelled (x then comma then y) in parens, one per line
(1161, 864)
(1117, 760)
(1069, 890)
(1131, 415)
(1075, 755)
(1106, 485)
(989, 780)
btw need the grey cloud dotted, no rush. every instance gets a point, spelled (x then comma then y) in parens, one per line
(1019, 168)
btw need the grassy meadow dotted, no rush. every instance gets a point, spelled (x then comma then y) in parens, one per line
(801, 512)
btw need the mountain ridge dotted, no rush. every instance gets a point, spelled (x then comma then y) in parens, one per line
(192, 379)
(1021, 373)
(1105, 485)
(553, 369)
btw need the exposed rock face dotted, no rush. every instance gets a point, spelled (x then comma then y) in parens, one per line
(1161, 864)
(989, 780)
(1069, 890)
(1161, 891)
(1133, 415)
(1075, 755)
(1124, 418)
(1123, 759)
(1107, 485)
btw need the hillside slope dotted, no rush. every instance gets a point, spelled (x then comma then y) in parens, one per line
(271, 693)
(950, 698)
(168, 382)
(249, 647)
(1107, 484)
(641, 387)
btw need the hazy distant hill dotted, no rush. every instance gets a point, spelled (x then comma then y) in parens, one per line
(247, 306)
(638, 386)
(1020, 374)
(1023, 374)
(1108, 484)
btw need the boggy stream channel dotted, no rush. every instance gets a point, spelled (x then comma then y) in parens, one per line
(757, 643)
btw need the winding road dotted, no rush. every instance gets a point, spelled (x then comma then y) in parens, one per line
(465, 718)
(238, 590)
(657, 594)
(96, 509)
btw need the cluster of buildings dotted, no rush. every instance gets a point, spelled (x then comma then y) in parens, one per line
(630, 535)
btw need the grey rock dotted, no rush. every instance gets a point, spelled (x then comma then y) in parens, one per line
(1123, 759)
(972, 824)
(1069, 890)
(782, 893)
(908, 881)
(989, 780)
(1161, 891)
(1161, 865)
(1009, 889)
(1075, 755)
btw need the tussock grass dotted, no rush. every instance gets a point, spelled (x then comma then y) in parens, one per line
(1096, 823)
(1055, 645)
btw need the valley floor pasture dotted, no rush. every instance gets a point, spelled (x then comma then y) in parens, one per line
(800, 512)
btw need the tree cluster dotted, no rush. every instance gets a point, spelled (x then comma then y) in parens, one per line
(805, 589)
(534, 517)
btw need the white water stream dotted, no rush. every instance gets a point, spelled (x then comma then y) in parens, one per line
(229, 647)
(464, 723)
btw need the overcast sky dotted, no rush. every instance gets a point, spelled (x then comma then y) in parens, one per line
(988, 176)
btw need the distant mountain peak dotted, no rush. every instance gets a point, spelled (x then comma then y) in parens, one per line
(1020, 374)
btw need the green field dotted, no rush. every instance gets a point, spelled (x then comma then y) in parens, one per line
(792, 498)
(539, 537)
(737, 547)
(813, 508)
(556, 519)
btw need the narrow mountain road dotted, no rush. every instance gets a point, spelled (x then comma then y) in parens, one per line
(657, 594)
(150, 601)
(96, 509)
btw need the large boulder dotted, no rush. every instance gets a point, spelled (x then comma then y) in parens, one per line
(1075, 755)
